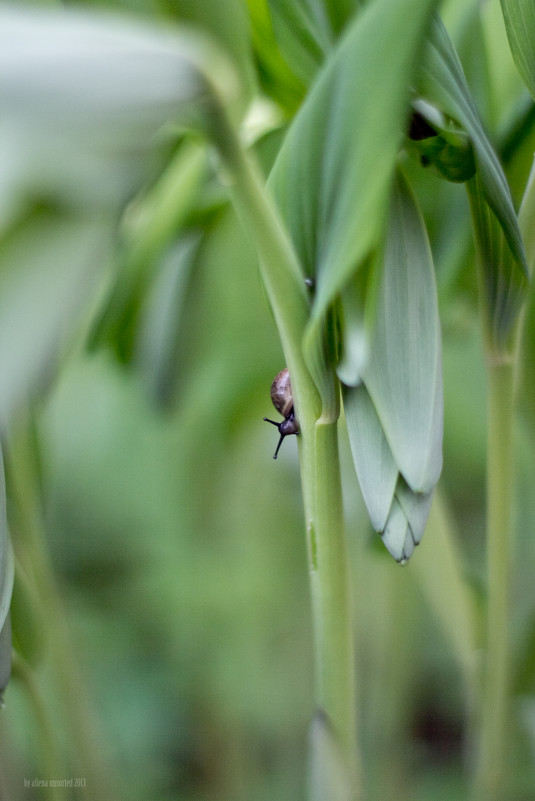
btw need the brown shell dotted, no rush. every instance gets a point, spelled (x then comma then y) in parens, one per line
(281, 393)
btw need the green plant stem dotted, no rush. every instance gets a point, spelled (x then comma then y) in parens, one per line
(85, 757)
(51, 764)
(335, 658)
(491, 763)
(320, 469)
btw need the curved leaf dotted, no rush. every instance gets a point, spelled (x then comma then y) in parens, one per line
(376, 469)
(504, 286)
(7, 563)
(332, 177)
(404, 371)
(519, 16)
(441, 80)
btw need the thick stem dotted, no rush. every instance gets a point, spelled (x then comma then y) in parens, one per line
(490, 773)
(320, 469)
(335, 658)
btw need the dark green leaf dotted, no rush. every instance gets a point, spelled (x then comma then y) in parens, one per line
(333, 174)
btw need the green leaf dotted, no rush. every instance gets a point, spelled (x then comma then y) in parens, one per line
(406, 522)
(306, 31)
(376, 469)
(404, 371)
(303, 38)
(395, 417)
(275, 76)
(332, 177)
(440, 80)
(504, 286)
(519, 16)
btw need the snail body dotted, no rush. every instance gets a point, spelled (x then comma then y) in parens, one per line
(282, 398)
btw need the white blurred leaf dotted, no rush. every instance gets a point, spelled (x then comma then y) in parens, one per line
(85, 100)
(47, 268)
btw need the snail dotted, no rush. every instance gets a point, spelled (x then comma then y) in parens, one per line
(281, 395)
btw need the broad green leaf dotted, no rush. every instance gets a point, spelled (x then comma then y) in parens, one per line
(504, 286)
(519, 16)
(332, 177)
(404, 371)
(440, 80)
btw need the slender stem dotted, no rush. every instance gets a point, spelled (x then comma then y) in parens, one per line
(51, 764)
(318, 447)
(490, 772)
(335, 658)
(30, 545)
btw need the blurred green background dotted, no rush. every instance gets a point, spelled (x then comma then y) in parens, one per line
(179, 551)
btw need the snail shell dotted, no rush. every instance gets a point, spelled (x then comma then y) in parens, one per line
(281, 395)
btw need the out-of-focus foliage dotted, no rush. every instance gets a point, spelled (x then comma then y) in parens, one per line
(177, 541)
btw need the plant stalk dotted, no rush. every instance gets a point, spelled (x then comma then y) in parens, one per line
(86, 755)
(331, 600)
(318, 450)
(492, 756)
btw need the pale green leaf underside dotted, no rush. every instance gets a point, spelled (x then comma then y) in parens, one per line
(376, 469)
(395, 417)
(519, 16)
(404, 370)
(396, 512)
